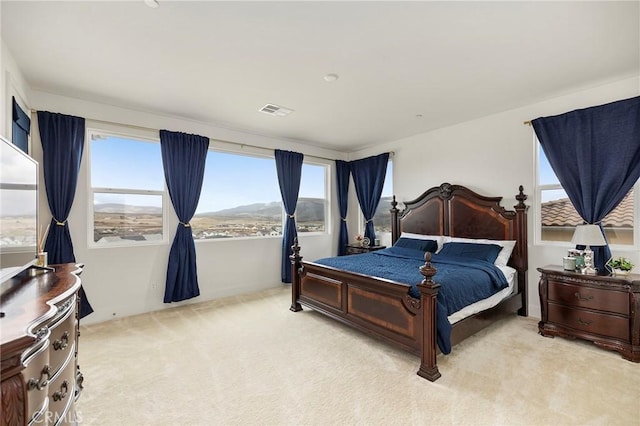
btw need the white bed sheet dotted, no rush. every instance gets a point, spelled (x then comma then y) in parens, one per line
(510, 275)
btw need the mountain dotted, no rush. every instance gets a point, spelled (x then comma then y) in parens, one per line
(308, 210)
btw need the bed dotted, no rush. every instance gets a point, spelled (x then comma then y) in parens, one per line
(407, 316)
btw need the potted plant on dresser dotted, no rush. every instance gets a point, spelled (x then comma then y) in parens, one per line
(619, 266)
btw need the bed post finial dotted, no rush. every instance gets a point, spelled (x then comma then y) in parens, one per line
(395, 226)
(521, 197)
(295, 276)
(427, 270)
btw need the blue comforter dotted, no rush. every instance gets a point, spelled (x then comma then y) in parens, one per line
(463, 281)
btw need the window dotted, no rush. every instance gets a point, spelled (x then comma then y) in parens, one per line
(127, 190)
(558, 218)
(382, 217)
(311, 209)
(241, 198)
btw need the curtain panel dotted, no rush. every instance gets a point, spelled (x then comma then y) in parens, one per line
(595, 153)
(62, 138)
(289, 168)
(21, 127)
(368, 178)
(183, 160)
(343, 171)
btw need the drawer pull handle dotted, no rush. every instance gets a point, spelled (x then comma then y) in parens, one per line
(583, 322)
(42, 382)
(583, 298)
(59, 395)
(62, 343)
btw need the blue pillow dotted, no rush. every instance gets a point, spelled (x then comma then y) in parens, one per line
(422, 245)
(487, 252)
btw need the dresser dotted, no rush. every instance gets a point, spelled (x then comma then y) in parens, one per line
(41, 380)
(358, 249)
(602, 309)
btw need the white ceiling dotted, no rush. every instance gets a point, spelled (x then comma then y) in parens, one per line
(220, 62)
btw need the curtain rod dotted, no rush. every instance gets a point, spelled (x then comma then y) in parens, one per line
(242, 145)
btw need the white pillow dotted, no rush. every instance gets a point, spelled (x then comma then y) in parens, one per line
(437, 238)
(503, 256)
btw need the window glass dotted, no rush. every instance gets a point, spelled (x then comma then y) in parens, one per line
(558, 216)
(127, 187)
(312, 199)
(241, 198)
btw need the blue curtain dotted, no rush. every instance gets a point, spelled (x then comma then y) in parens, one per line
(21, 127)
(289, 168)
(343, 171)
(368, 178)
(595, 153)
(62, 138)
(183, 159)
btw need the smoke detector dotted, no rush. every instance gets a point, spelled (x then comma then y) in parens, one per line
(276, 110)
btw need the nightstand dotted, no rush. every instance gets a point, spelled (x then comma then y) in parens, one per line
(599, 308)
(356, 249)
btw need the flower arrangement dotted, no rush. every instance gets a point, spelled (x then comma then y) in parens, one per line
(620, 264)
(359, 238)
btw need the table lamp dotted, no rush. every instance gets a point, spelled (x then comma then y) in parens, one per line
(588, 235)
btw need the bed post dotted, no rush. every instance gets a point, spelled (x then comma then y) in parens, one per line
(428, 294)
(295, 276)
(522, 255)
(395, 225)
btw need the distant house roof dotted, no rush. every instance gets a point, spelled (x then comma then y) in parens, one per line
(561, 213)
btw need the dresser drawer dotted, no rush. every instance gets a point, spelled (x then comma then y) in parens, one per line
(62, 392)
(591, 322)
(587, 297)
(63, 335)
(37, 375)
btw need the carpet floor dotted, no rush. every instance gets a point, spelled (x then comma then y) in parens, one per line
(248, 360)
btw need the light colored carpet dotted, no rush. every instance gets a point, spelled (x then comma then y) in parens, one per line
(248, 360)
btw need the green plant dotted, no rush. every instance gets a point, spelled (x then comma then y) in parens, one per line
(620, 263)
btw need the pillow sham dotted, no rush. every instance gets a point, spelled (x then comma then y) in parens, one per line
(436, 238)
(422, 245)
(503, 256)
(486, 252)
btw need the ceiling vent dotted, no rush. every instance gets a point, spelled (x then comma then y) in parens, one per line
(276, 110)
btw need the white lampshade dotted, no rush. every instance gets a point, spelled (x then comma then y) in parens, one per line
(588, 235)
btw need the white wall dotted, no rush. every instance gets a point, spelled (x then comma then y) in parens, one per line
(130, 280)
(493, 156)
(13, 85)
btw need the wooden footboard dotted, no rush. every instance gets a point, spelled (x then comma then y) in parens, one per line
(377, 307)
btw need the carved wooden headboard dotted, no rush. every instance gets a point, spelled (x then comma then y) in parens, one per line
(457, 211)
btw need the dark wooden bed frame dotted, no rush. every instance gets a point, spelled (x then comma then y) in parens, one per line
(384, 309)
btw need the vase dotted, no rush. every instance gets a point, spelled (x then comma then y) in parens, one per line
(620, 272)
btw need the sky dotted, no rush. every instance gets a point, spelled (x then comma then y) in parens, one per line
(233, 180)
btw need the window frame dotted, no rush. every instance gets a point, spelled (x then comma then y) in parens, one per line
(539, 188)
(164, 193)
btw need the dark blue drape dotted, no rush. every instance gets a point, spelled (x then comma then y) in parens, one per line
(62, 138)
(595, 153)
(368, 178)
(183, 159)
(343, 171)
(289, 168)
(21, 127)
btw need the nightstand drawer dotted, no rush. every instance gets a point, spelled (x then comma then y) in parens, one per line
(587, 297)
(591, 322)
